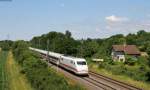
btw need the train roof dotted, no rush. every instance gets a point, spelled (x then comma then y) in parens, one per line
(74, 58)
(47, 52)
(57, 55)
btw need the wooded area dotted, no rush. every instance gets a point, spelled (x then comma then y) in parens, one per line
(64, 43)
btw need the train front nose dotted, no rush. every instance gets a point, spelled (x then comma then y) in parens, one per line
(82, 67)
(82, 70)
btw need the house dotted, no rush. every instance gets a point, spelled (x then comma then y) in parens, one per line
(119, 52)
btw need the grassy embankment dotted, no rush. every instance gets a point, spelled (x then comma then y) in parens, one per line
(10, 77)
(3, 78)
(17, 81)
(123, 78)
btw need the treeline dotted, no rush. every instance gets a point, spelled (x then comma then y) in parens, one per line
(57, 42)
(39, 75)
(6, 44)
(64, 43)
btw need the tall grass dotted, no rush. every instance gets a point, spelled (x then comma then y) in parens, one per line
(3, 76)
(16, 80)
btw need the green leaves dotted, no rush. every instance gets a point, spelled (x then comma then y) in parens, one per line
(6, 44)
(58, 42)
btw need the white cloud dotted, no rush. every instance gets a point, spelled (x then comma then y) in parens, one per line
(129, 27)
(114, 18)
(99, 29)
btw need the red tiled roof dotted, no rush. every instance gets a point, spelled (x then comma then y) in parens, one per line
(128, 49)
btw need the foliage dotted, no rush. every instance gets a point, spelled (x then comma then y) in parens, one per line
(64, 43)
(6, 44)
(57, 42)
(130, 60)
(87, 48)
(140, 73)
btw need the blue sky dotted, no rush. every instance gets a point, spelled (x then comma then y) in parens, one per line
(23, 19)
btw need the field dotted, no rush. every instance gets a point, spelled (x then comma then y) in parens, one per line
(10, 76)
(3, 78)
(17, 81)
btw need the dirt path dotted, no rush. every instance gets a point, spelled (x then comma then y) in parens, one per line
(17, 81)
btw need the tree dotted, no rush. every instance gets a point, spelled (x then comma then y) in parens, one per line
(131, 39)
(6, 44)
(141, 33)
(88, 48)
(58, 42)
(130, 60)
(68, 34)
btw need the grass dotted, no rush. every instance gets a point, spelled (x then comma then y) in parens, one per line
(17, 81)
(140, 84)
(72, 82)
(3, 78)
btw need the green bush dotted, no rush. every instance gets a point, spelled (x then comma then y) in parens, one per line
(138, 72)
(148, 76)
(6, 45)
(142, 60)
(102, 65)
(130, 60)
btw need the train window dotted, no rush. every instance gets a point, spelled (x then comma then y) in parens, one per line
(81, 63)
(71, 62)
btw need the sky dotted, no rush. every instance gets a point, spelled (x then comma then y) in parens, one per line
(24, 19)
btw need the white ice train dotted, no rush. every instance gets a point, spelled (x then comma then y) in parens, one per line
(76, 65)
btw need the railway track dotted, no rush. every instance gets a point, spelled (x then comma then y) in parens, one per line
(106, 83)
(98, 84)
(122, 85)
(110, 84)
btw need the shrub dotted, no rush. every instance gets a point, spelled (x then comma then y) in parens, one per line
(148, 76)
(130, 60)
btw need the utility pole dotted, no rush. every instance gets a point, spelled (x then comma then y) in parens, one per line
(82, 47)
(39, 43)
(48, 45)
(47, 48)
(7, 41)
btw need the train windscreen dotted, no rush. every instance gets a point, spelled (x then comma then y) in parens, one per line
(81, 63)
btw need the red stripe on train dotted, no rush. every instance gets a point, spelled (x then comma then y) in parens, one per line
(69, 66)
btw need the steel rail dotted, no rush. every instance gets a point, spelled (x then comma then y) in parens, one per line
(122, 84)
